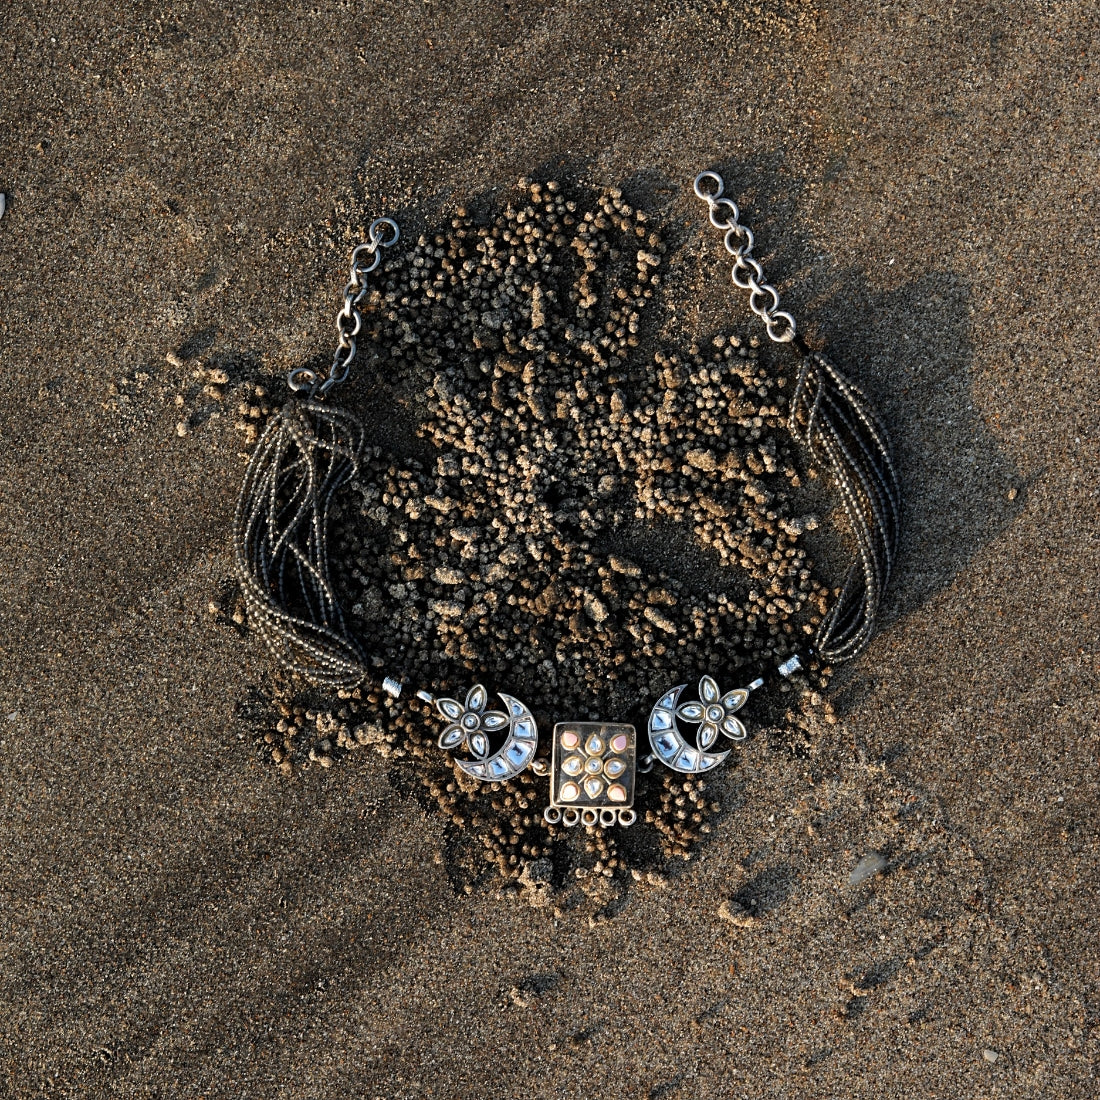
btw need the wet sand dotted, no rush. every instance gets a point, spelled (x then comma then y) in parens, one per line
(179, 919)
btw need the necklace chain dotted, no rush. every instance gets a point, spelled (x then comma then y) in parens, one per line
(747, 272)
(383, 233)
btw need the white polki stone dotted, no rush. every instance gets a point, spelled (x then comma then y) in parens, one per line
(593, 787)
(572, 765)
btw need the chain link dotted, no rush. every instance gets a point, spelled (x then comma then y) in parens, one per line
(365, 258)
(747, 273)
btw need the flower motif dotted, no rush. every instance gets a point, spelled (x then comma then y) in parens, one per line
(595, 759)
(715, 713)
(470, 723)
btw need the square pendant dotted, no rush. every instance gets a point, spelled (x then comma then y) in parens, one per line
(593, 766)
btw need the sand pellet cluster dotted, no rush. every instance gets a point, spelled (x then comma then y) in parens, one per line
(584, 519)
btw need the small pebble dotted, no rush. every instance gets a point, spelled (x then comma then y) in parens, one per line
(595, 608)
(873, 863)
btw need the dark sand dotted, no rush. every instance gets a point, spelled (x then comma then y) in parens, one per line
(178, 920)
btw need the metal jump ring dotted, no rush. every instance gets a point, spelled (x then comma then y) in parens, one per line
(349, 315)
(718, 184)
(743, 233)
(358, 271)
(376, 235)
(747, 263)
(747, 274)
(347, 346)
(301, 378)
(334, 379)
(731, 221)
(359, 250)
(754, 297)
(771, 325)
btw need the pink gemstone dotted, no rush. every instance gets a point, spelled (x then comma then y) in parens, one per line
(620, 742)
(616, 792)
(570, 740)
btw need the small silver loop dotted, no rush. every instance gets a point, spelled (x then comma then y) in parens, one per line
(608, 818)
(746, 263)
(348, 344)
(730, 205)
(627, 817)
(589, 817)
(771, 324)
(340, 366)
(551, 815)
(358, 270)
(351, 315)
(719, 186)
(570, 818)
(740, 233)
(376, 235)
(759, 291)
(645, 765)
(364, 248)
(301, 378)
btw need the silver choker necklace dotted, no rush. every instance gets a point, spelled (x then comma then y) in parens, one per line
(311, 448)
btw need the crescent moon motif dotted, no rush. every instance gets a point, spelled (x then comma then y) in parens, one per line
(517, 751)
(668, 742)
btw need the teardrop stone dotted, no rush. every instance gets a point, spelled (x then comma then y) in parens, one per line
(573, 765)
(593, 787)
